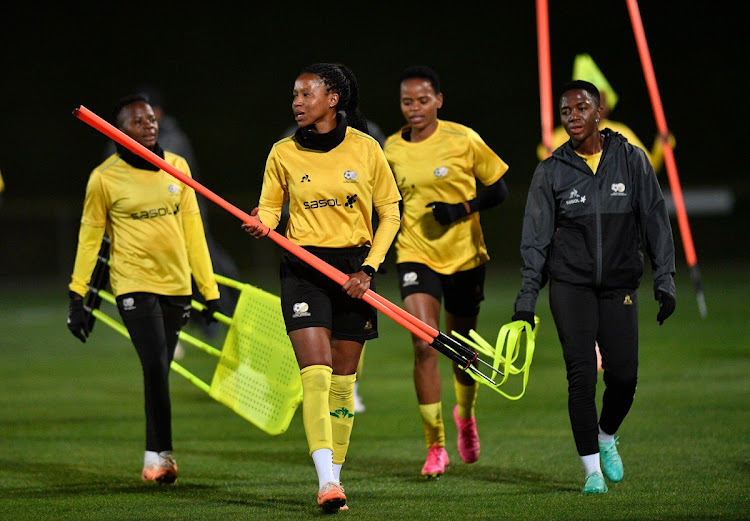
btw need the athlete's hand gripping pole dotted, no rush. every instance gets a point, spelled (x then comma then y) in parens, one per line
(450, 347)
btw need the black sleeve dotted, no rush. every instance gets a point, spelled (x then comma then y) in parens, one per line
(490, 196)
(655, 226)
(536, 236)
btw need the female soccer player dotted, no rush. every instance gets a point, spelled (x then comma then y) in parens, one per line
(440, 248)
(157, 242)
(333, 174)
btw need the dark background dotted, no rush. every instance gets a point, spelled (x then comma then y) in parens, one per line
(227, 70)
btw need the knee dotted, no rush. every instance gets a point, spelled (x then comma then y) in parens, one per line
(154, 364)
(424, 353)
(582, 379)
(316, 378)
(621, 382)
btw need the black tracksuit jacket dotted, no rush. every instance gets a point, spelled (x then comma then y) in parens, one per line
(590, 230)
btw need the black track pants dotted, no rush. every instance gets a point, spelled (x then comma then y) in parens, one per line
(154, 321)
(585, 316)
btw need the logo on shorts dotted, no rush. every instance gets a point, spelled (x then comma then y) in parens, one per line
(368, 324)
(618, 189)
(128, 304)
(409, 279)
(300, 310)
(441, 172)
(627, 301)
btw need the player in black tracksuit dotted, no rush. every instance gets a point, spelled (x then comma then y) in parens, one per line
(591, 208)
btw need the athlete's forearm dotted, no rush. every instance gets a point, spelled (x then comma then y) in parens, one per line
(490, 196)
(89, 242)
(269, 216)
(199, 256)
(388, 225)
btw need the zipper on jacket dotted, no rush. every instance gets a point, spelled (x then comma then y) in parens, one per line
(598, 221)
(597, 182)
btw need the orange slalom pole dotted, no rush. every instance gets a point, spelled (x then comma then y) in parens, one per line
(545, 73)
(417, 327)
(669, 160)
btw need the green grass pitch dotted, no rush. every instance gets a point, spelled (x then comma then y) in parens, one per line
(72, 427)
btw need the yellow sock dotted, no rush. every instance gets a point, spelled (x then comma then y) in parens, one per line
(316, 385)
(466, 397)
(341, 405)
(432, 424)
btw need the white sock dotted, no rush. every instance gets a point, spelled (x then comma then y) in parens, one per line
(603, 436)
(323, 459)
(164, 454)
(591, 464)
(150, 457)
(337, 471)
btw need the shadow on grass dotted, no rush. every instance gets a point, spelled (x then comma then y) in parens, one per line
(73, 483)
(529, 482)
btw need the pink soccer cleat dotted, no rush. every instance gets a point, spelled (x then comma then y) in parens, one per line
(468, 438)
(437, 461)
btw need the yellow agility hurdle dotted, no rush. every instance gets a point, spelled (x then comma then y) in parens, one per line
(257, 375)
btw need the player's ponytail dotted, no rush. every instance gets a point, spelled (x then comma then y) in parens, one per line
(351, 105)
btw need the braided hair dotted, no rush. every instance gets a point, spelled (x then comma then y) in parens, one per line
(340, 79)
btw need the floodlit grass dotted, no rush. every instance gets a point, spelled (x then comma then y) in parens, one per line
(72, 427)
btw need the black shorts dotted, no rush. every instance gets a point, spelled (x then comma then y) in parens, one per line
(463, 290)
(312, 299)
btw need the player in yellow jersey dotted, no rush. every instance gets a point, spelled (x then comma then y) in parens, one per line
(157, 240)
(440, 248)
(333, 174)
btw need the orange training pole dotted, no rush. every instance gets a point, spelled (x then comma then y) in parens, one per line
(545, 73)
(409, 321)
(669, 161)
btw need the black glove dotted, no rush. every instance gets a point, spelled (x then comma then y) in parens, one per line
(526, 316)
(667, 304)
(78, 319)
(446, 213)
(208, 312)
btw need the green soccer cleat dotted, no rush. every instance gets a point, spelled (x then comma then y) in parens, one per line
(611, 462)
(595, 484)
